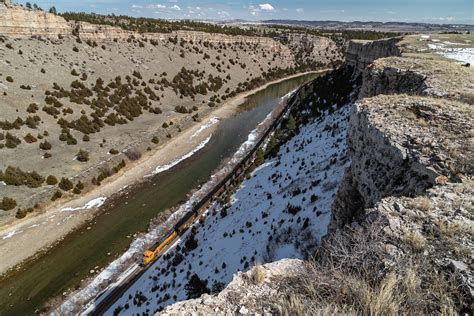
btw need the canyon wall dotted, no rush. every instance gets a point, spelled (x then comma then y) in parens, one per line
(360, 54)
(18, 22)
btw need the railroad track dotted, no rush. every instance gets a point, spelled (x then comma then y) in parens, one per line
(113, 294)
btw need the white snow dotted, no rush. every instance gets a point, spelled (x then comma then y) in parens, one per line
(11, 234)
(257, 226)
(289, 94)
(213, 120)
(2, 183)
(462, 55)
(170, 165)
(97, 202)
(135, 250)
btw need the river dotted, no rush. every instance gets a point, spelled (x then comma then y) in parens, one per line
(25, 292)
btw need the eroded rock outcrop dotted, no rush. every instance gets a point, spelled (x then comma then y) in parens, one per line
(360, 54)
(18, 22)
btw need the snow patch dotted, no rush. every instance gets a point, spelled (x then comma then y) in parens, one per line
(213, 120)
(11, 234)
(170, 165)
(95, 203)
(462, 55)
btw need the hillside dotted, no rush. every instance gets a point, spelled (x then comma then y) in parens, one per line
(399, 222)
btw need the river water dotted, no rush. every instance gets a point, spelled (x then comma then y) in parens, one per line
(99, 242)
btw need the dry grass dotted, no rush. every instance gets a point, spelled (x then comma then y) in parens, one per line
(415, 240)
(421, 203)
(257, 275)
(349, 277)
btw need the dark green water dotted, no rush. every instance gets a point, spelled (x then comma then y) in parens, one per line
(63, 267)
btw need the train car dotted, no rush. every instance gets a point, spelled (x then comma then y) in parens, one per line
(150, 254)
(181, 226)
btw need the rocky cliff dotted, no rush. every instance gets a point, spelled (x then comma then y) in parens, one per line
(360, 54)
(18, 22)
(400, 238)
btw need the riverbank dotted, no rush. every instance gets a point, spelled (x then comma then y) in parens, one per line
(36, 234)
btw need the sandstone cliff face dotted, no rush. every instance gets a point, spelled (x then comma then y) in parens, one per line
(360, 54)
(19, 22)
(405, 129)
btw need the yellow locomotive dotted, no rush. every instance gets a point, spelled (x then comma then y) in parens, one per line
(155, 250)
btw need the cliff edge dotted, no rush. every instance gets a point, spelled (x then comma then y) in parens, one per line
(400, 236)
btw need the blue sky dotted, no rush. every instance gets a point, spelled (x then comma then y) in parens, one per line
(431, 11)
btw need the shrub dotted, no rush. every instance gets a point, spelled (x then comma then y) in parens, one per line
(74, 72)
(30, 138)
(293, 209)
(11, 141)
(75, 49)
(9, 79)
(45, 145)
(155, 140)
(80, 185)
(56, 195)
(133, 154)
(86, 138)
(65, 184)
(82, 156)
(51, 180)
(196, 287)
(113, 151)
(17, 177)
(20, 213)
(7, 204)
(181, 109)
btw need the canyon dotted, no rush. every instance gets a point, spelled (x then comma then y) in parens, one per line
(82, 130)
(401, 220)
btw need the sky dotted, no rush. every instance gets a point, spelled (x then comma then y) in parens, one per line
(429, 11)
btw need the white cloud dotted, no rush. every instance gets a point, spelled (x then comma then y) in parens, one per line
(156, 6)
(175, 7)
(299, 10)
(266, 7)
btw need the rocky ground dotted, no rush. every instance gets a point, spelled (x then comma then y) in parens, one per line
(401, 231)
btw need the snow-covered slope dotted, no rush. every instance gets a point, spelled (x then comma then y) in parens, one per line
(281, 211)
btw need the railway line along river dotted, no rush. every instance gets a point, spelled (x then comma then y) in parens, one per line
(25, 292)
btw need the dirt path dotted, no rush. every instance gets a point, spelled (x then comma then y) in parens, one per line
(26, 237)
